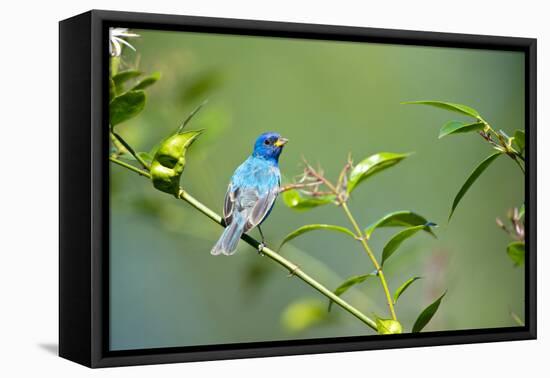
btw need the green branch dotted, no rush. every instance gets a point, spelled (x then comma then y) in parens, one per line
(518, 163)
(130, 167)
(293, 269)
(377, 266)
(129, 149)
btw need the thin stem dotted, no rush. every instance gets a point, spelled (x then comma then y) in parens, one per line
(130, 167)
(377, 266)
(342, 179)
(288, 187)
(322, 178)
(517, 319)
(293, 269)
(521, 157)
(119, 147)
(130, 150)
(191, 115)
(488, 126)
(518, 163)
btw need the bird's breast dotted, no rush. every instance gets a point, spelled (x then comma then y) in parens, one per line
(257, 173)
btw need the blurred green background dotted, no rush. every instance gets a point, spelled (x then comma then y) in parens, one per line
(328, 98)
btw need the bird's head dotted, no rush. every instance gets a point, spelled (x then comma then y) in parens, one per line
(269, 145)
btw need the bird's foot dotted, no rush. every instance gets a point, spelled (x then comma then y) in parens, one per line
(261, 247)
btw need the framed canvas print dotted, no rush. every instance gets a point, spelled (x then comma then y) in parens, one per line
(234, 188)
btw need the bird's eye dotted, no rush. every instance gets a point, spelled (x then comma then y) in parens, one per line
(267, 142)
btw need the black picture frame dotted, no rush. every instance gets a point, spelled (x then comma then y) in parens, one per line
(84, 199)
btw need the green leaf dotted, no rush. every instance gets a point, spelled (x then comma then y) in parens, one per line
(521, 211)
(113, 65)
(399, 219)
(404, 287)
(372, 165)
(147, 82)
(388, 326)
(347, 284)
(112, 90)
(458, 108)
(394, 243)
(456, 127)
(426, 315)
(126, 106)
(294, 200)
(303, 314)
(519, 140)
(312, 227)
(122, 77)
(471, 179)
(516, 252)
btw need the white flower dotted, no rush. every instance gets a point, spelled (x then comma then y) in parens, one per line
(116, 36)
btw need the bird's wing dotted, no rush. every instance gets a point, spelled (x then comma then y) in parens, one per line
(251, 193)
(266, 195)
(244, 201)
(261, 208)
(229, 203)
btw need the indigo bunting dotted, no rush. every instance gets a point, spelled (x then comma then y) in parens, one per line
(252, 192)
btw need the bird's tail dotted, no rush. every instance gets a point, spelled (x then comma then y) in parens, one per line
(227, 244)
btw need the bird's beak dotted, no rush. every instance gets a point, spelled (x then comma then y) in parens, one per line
(281, 142)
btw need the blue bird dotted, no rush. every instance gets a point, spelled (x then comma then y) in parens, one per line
(252, 192)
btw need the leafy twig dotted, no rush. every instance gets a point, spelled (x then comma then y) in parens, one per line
(342, 197)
